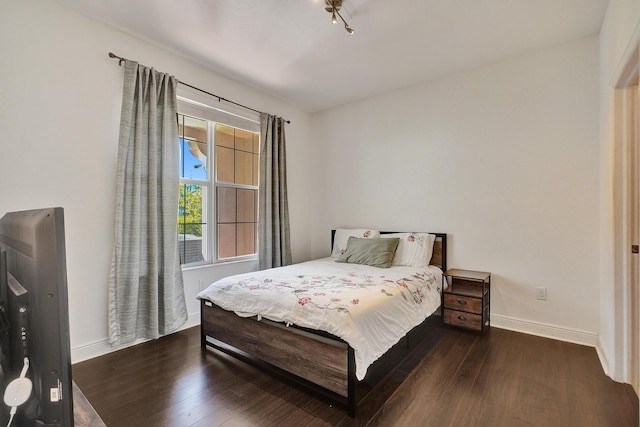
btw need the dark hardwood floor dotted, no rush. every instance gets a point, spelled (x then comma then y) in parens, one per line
(455, 378)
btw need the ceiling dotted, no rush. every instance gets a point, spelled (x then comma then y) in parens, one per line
(289, 49)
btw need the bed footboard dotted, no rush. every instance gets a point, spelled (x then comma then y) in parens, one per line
(318, 360)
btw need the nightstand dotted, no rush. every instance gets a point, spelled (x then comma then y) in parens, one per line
(466, 301)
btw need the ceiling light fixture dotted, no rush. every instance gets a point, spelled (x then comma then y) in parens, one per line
(333, 7)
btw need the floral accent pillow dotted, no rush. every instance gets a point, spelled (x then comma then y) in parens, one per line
(414, 250)
(342, 235)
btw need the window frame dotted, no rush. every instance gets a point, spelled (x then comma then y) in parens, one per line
(213, 116)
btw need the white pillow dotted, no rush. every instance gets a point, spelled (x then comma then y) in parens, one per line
(342, 235)
(414, 250)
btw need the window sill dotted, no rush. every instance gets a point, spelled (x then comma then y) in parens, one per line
(218, 264)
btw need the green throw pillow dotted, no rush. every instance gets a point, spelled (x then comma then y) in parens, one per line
(376, 252)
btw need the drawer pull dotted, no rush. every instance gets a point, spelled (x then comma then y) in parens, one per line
(462, 318)
(462, 302)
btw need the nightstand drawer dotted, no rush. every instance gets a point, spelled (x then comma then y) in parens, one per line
(465, 320)
(460, 302)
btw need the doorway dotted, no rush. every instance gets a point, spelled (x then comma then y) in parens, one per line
(626, 206)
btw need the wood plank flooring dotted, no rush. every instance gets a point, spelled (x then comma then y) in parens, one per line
(455, 378)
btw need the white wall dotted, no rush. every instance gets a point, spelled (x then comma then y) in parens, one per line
(619, 35)
(59, 116)
(504, 158)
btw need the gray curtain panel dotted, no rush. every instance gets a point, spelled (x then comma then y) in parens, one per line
(274, 248)
(146, 292)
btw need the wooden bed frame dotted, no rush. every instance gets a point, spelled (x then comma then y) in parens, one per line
(317, 360)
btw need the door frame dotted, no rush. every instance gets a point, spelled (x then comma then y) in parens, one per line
(626, 199)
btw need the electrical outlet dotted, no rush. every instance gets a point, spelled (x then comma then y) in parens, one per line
(541, 293)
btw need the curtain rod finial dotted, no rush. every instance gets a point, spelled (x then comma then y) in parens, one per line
(119, 58)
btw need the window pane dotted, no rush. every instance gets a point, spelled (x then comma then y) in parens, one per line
(237, 221)
(246, 239)
(256, 143)
(244, 168)
(224, 136)
(195, 129)
(246, 205)
(256, 168)
(225, 164)
(226, 240)
(191, 224)
(244, 140)
(226, 204)
(256, 158)
(193, 147)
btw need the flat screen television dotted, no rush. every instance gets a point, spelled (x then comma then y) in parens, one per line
(35, 356)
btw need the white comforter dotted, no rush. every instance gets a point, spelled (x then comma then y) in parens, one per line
(370, 308)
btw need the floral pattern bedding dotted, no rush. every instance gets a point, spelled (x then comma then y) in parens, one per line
(370, 308)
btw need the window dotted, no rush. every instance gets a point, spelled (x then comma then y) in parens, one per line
(218, 209)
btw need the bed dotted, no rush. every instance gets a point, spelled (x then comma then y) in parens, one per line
(327, 324)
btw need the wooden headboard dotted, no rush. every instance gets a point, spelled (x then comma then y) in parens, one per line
(439, 256)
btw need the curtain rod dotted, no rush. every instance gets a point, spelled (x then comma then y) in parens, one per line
(121, 60)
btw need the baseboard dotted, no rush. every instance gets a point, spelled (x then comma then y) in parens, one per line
(545, 330)
(102, 347)
(601, 350)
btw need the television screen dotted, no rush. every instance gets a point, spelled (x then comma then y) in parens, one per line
(35, 359)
